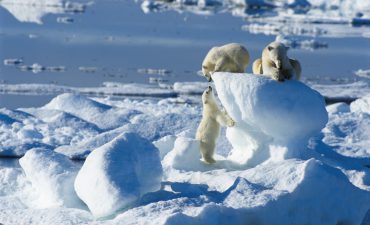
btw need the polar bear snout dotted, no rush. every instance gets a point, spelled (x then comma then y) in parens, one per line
(278, 64)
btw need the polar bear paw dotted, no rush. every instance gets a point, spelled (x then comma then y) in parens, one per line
(230, 122)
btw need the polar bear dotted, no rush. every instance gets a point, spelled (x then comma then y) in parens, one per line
(275, 63)
(231, 57)
(209, 127)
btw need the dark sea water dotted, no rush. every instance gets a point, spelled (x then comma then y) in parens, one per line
(117, 41)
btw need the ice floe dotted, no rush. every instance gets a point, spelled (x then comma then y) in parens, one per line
(323, 178)
(363, 73)
(288, 17)
(11, 62)
(32, 11)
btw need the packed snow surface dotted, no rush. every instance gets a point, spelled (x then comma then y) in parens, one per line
(272, 118)
(52, 175)
(348, 131)
(143, 164)
(115, 175)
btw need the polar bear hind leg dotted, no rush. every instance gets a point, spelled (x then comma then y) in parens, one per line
(257, 66)
(207, 151)
(296, 67)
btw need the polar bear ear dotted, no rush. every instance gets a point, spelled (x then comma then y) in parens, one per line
(270, 48)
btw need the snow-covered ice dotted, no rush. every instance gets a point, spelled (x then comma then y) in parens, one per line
(32, 11)
(304, 176)
(272, 118)
(108, 88)
(52, 175)
(118, 173)
(348, 130)
(343, 92)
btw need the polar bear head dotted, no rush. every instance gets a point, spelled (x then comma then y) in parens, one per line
(208, 96)
(277, 52)
(209, 64)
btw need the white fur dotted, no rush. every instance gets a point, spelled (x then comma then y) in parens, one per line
(227, 58)
(275, 63)
(209, 127)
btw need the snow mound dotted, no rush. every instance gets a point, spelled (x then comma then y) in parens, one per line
(102, 115)
(52, 175)
(361, 105)
(118, 173)
(165, 144)
(348, 129)
(336, 108)
(184, 156)
(311, 193)
(273, 119)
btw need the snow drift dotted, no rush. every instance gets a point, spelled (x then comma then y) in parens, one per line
(118, 173)
(272, 118)
(348, 130)
(52, 175)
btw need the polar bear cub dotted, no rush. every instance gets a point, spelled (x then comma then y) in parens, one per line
(209, 127)
(231, 57)
(275, 63)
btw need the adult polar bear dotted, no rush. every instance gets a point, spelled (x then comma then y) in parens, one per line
(275, 63)
(231, 57)
(209, 127)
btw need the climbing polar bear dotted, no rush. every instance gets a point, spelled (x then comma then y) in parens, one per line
(231, 57)
(275, 63)
(209, 127)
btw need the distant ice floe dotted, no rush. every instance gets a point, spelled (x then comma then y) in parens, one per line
(65, 20)
(343, 92)
(363, 73)
(87, 69)
(32, 11)
(198, 7)
(287, 17)
(108, 88)
(35, 68)
(158, 87)
(12, 62)
(307, 44)
(38, 68)
(143, 164)
(150, 71)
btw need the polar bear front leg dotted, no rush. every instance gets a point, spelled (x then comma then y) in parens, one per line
(288, 74)
(207, 150)
(270, 69)
(224, 119)
(275, 73)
